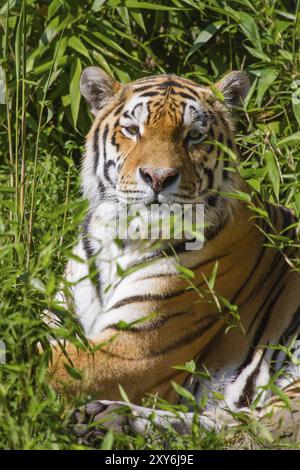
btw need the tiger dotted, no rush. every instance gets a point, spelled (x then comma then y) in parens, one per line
(168, 140)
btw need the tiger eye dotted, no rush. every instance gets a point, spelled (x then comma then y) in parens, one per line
(195, 134)
(134, 130)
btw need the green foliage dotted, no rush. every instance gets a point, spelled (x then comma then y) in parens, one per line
(44, 47)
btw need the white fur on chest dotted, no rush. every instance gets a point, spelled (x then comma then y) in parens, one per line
(121, 274)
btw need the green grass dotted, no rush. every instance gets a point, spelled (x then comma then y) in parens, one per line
(44, 47)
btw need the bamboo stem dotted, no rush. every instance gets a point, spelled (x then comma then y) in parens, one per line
(23, 121)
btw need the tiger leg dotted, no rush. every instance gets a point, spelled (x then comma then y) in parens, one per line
(86, 305)
(121, 416)
(281, 422)
(80, 296)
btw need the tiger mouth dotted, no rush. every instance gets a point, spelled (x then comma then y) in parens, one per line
(158, 198)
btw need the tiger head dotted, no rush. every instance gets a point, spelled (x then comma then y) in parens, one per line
(161, 139)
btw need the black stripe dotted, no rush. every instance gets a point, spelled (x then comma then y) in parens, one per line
(144, 87)
(126, 115)
(212, 231)
(252, 272)
(114, 142)
(106, 163)
(209, 148)
(178, 343)
(160, 297)
(90, 254)
(190, 82)
(212, 200)
(211, 260)
(147, 297)
(119, 108)
(263, 279)
(149, 325)
(134, 109)
(107, 167)
(223, 120)
(288, 216)
(247, 396)
(288, 220)
(218, 159)
(96, 149)
(85, 239)
(261, 328)
(183, 95)
(210, 175)
(150, 78)
(293, 326)
(149, 94)
(168, 275)
(212, 117)
(101, 188)
(225, 174)
(272, 213)
(256, 291)
(172, 83)
(158, 275)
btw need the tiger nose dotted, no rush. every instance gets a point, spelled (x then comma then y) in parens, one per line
(159, 178)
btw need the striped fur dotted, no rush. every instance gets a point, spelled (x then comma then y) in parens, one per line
(173, 320)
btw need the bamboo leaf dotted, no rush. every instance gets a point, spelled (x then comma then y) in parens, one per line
(258, 54)
(76, 70)
(297, 203)
(73, 372)
(123, 394)
(114, 45)
(183, 392)
(205, 35)
(138, 18)
(97, 5)
(108, 440)
(290, 140)
(247, 25)
(281, 395)
(148, 6)
(76, 44)
(273, 172)
(267, 77)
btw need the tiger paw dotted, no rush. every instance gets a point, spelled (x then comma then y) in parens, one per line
(92, 421)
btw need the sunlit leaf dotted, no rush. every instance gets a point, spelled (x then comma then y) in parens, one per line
(183, 392)
(74, 89)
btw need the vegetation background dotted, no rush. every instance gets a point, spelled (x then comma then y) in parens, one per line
(44, 47)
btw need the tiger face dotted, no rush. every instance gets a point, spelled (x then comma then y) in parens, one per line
(160, 139)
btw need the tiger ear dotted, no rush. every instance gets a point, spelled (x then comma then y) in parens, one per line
(234, 87)
(96, 86)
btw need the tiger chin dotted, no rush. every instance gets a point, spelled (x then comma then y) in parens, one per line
(167, 140)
